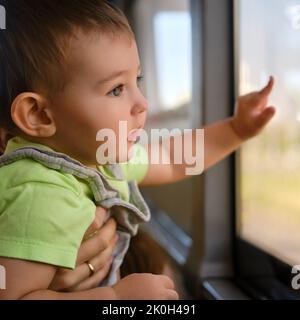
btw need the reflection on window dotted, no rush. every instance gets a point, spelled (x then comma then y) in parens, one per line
(163, 30)
(164, 35)
(270, 164)
(173, 58)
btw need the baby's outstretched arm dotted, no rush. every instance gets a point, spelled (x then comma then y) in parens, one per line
(220, 139)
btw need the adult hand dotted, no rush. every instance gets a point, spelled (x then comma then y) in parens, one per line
(97, 248)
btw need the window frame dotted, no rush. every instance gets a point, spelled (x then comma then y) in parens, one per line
(216, 271)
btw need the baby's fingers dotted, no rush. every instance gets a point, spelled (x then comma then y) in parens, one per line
(268, 88)
(265, 117)
(172, 295)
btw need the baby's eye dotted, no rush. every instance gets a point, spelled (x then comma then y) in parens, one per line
(139, 80)
(116, 92)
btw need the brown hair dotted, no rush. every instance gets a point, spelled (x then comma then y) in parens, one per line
(144, 255)
(33, 47)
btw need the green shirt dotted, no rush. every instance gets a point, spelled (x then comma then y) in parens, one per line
(44, 213)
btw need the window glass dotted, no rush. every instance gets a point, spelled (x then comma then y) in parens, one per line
(164, 38)
(269, 173)
(172, 32)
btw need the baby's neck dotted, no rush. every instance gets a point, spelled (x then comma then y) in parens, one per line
(49, 143)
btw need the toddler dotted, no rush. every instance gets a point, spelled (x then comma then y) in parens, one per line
(68, 70)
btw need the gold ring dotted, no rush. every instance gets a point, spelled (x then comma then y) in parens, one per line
(91, 267)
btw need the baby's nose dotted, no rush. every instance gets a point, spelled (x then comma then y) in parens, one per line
(140, 106)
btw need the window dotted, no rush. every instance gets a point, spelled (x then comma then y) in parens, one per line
(172, 34)
(164, 36)
(269, 206)
(163, 32)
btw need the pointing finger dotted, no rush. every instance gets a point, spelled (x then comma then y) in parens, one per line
(268, 88)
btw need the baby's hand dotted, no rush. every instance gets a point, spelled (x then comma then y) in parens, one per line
(252, 112)
(145, 286)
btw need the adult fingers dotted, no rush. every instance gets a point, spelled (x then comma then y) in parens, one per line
(66, 279)
(98, 262)
(91, 247)
(94, 280)
(100, 217)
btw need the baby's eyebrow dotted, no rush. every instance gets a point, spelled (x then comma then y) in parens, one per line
(115, 75)
(112, 77)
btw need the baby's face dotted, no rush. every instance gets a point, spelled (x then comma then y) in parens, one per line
(101, 92)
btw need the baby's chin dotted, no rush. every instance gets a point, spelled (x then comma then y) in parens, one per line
(104, 157)
(118, 159)
(126, 157)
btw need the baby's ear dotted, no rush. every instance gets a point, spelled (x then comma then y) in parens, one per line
(32, 114)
